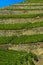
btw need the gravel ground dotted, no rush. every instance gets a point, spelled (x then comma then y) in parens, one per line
(24, 7)
(22, 20)
(33, 31)
(8, 12)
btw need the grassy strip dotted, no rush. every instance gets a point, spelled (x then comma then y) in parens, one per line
(20, 26)
(21, 39)
(27, 4)
(28, 39)
(16, 58)
(23, 5)
(21, 16)
(10, 8)
(35, 1)
(22, 9)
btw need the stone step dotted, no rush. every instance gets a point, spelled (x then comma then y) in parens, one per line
(17, 12)
(38, 30)
(18, 7)
(20, 20)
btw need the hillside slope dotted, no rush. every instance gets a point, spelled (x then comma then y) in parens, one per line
(21, 28)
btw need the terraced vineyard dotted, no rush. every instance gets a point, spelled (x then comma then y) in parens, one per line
(21, 33)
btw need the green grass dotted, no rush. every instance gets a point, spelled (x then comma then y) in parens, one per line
(25, 4)
(26, 9)
(20, 26)
(21, 16)
(21, 39)
(36, 1)
(16, 58)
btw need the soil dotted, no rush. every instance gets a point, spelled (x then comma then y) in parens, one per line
(38, 30)
(22, 20)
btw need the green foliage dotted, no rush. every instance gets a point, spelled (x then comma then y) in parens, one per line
(26, 9)
(23, 5)
(21, 16)
(8, 57)
(21, 39)
(5, 40)
(36, 1)
(20, 26)
(33, 56)
(30, 61)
